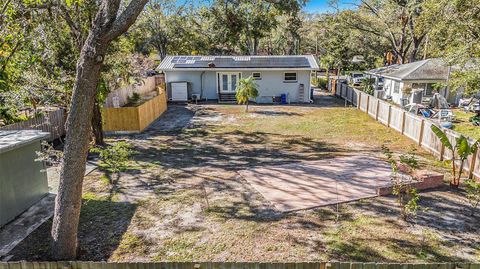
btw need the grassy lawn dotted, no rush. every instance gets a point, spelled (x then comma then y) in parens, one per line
(463, 126)
(183, 199)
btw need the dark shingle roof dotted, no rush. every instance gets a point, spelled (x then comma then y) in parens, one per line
(238, 62)
(429, 69)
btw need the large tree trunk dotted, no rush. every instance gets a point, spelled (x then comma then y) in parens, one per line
(68, 201)
(328, 77)
(255, 45)
(106, 27)
(97, 127)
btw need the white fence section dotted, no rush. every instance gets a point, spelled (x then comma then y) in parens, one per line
(383, 112)
(396, 118)
(413, 127)
(144, 87)
(372, 107)
(410, 125)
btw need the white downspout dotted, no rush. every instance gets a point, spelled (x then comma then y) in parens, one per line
(201, 85)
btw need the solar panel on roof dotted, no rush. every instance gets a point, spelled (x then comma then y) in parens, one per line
(240, 62)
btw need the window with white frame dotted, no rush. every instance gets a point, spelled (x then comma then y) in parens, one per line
(257, 75)
(290, 77)
(396, 87)
(429, 90)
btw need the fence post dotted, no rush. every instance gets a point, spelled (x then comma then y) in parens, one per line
(442, 151)
(378, 107)
(359, 99)
(403, 121)
(368, 102)
(422, 124)
(389, 115)
(472, 165)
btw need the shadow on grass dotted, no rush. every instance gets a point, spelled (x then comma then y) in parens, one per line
(102, 225)
(361, 250)
(276, 113)
(236, 150)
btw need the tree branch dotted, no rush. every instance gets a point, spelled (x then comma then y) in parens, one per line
(126, 19)
(75, 30)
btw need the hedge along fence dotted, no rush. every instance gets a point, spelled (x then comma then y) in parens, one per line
(234, 265)
(408, 124)
(52, 122)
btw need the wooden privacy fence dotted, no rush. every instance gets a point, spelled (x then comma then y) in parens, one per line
(147, 85)
(137, 118)
(408, 124)
(51, 121)
(234, 265)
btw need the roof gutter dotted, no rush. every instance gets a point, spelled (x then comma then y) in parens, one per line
(237, 69)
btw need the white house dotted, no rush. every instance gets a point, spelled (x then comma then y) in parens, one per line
(414, 82)
(377, 75)
(216, 77)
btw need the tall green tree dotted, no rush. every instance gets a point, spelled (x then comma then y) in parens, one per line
(165, 27)
(399, 22)
(456, 38)
(241, 26)
(109, 23)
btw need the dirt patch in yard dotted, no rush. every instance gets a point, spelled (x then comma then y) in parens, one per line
(183, 199)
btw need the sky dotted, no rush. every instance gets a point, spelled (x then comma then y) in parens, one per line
(323, 6)
(313, 6)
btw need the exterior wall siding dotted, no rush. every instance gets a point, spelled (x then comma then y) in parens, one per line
(271, 84)
(389, 85)
(451, 96)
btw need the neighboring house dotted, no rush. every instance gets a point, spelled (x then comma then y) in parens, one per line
(414, 82)
(216, 77)
(377, 75)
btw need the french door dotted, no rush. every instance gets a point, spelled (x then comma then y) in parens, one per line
(228, 81)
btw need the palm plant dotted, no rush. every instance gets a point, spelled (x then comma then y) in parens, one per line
(462, 149)
(367, 85)
(246, 89)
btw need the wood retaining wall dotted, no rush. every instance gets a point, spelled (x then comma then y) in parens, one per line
(134, 119)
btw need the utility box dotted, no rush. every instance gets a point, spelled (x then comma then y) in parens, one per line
(23, 181)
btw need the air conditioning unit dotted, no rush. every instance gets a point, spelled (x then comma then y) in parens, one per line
(379, 94)
(417, 97)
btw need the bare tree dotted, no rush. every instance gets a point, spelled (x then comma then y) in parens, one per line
(396, 22)
(107, 25)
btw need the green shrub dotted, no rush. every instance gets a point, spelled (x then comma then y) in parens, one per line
(114, 158)
(10, 116)
(367, 85)
(410, 159)
(320, 83)
(134, 98)
(407, 196)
